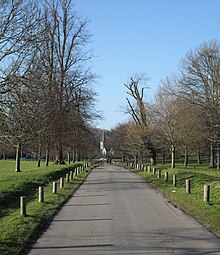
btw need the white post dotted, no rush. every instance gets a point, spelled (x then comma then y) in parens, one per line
(188, 188)
(54, 187)
(67, 178)
(166, 177)
(174, 180)
(61, 182)
(159, 173)
(206, 193)
(23, 206)
(154, 170)
(41, 194)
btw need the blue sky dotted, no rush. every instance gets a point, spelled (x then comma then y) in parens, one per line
(142, 36)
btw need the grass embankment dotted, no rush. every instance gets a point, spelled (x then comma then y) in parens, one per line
(17, 232)
(206, 213)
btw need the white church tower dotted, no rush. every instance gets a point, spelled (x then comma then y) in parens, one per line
(102, 144)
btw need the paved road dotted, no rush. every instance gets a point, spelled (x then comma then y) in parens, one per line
(115, 212)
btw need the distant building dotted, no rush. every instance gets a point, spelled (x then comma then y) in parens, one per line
(102, 144)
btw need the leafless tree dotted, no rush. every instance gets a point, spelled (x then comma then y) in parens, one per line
(18, 22)
(117, 141)
(200, 83)
(64, 59)
(138, 112)
(174, 122)
(48, 85)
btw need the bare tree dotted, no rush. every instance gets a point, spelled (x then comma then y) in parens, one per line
(118, 142)
(15, 128)
(18, 20)
(139, 113)
(174, 122)
(64, 65)
(200, 83)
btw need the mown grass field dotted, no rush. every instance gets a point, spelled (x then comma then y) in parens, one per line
(17, 232)
(206, 213)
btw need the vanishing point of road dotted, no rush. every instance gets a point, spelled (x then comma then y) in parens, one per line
(116, 212)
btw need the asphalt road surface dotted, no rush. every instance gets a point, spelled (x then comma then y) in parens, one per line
(116, 212)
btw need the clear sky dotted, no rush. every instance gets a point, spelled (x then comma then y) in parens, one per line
(142, 36)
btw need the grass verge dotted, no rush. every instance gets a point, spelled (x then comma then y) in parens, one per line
(17, 233)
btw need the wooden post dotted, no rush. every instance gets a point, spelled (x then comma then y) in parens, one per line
(174, 180)
(188, 187)
(159, 173)
(61, 182)
(67, 178)
(54, 187)
(154, 170)
(23, 206)
(148, 169)
(166, 176)
(206, 193)
(71, 175)
(41, 194)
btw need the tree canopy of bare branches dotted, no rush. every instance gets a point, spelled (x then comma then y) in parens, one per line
(47, 84)
(139, 113)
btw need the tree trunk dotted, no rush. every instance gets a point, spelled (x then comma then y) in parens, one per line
(218, 156)
(18, 156)
(39, 154)
(47, 155)
(212, 156)
(59, 156)
(163, 157)
(123, 158)
(140, 159)
(173, 156)
(68, 157)
(74, 158)
(199, 162)
(135, 159)
(186, 159)
(152, 152)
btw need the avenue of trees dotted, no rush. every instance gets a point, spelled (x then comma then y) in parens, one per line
(184, 118)
(46, 86)
(47, 100)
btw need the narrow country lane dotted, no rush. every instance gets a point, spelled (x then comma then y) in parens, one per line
(116, 212)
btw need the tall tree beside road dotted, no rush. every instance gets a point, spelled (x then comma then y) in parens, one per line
(64, 60)
(18, 31)
(138, 112)
(48, 84)
(200, 84)
(174, 122)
